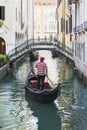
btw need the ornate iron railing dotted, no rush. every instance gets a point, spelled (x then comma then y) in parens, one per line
(41, 45)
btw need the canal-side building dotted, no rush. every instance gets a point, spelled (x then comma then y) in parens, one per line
(79, 31)
(17, 27)
(64, 19)
(45, 22)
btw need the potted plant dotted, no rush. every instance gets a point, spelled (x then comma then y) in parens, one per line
(4, 59)
(1, 23)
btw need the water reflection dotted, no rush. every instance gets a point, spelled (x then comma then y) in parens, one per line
(47, 115)
(14, 113)
(17, 113)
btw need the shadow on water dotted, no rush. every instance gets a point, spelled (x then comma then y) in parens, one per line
(47, 114)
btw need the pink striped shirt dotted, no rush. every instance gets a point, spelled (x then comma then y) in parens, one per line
(41, 68)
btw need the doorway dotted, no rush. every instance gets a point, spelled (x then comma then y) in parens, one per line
(2, 46)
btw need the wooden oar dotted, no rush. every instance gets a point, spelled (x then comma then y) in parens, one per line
(32, 72)
(64, 99)
(50, 81)
(60, 90)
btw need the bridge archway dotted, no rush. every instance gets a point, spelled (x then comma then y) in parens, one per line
(2, 46)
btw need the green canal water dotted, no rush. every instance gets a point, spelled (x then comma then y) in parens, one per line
(67, 112)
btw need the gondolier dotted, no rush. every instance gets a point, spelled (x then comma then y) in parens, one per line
(41, 72)
(47, 95)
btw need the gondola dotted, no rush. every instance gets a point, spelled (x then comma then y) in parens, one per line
(47, 95)
(33, 56)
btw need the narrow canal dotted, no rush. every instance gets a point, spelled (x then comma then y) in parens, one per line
(68, 112)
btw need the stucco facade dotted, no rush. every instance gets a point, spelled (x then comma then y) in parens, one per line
(64, 23)
(17, 22)
(80, 35)
(45, 23)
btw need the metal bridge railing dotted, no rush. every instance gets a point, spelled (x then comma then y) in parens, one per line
(30, 46)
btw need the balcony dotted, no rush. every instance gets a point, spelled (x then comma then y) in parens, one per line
(85, 25)
(80, 28)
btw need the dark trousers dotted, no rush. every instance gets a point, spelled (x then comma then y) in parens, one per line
(41, 79)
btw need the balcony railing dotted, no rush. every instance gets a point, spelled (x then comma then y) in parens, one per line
(85, 25)
(80, 28)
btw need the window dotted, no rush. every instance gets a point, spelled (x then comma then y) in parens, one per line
(16, 14)
(45, 28)
(19, 17)
(70, 24)
(2, 12)
(66, 26)
(70, 2)
(61, 24)
(58, 28)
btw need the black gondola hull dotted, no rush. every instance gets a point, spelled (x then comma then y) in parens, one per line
(43, 96)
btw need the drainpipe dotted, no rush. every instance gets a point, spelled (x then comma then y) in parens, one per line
(63, 24)
(57, 19)
(75, 29)
(75, 19)
(27, 22)
(33, 18)
(21, 13)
